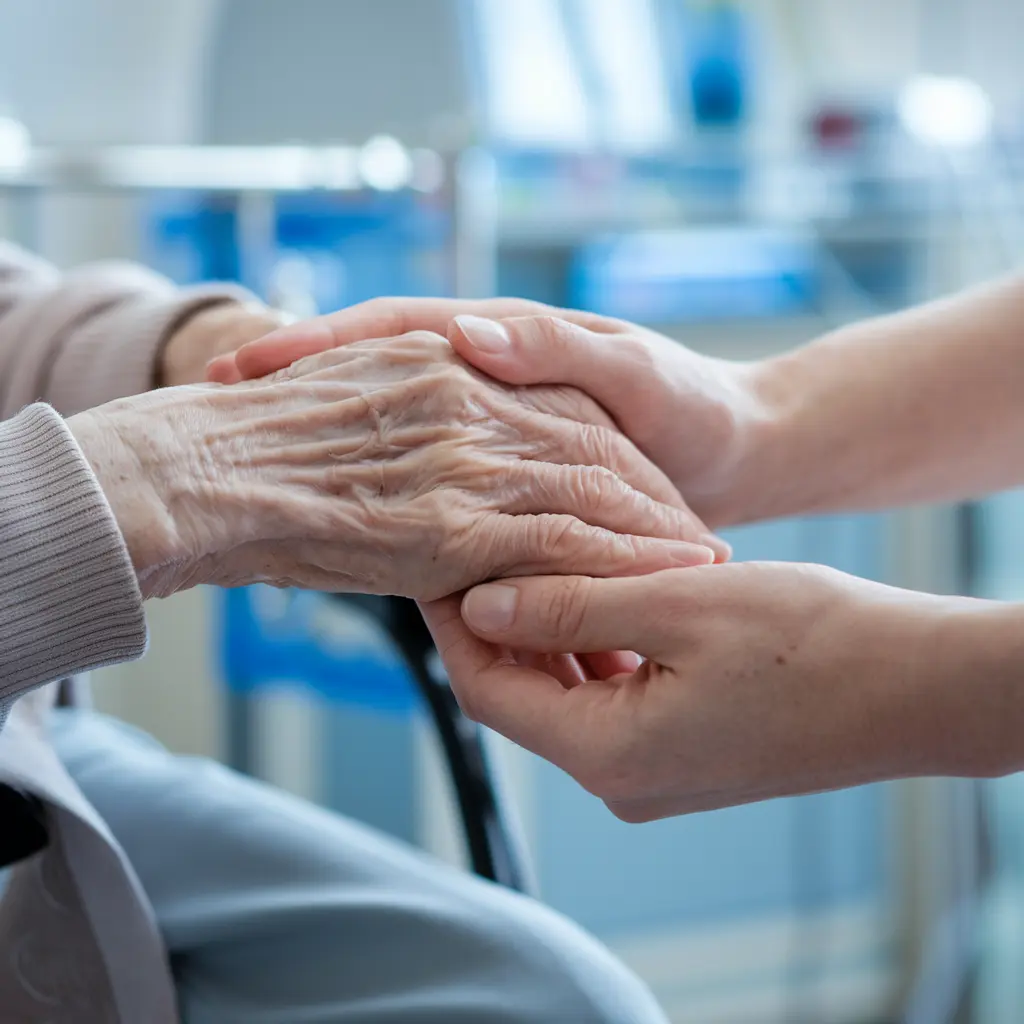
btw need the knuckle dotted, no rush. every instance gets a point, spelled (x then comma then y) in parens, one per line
(419, 350)
(600, 489)
(456, 376)
(589, 443)
(557, 333)
(562, 608)
(554, 535)
(288, 373)
(429, 340)
(281, 376)
(604, 446)
(577, 541)
(636, 352)
(458, 390)
(307, 365)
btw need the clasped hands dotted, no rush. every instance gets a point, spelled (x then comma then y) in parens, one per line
(418, 447)
(750, 681)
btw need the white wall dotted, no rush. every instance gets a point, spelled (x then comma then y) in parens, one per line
(101, 71)
(104, 70)
(850, 48)
(338, 70)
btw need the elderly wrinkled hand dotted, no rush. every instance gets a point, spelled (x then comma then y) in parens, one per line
(693, 415)
(384, 466)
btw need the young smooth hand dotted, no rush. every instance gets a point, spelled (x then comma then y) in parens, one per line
(759, 680)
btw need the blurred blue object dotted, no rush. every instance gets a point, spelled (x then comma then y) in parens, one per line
(715, 37)
(275, 637)
(353, 247)
(999, 554)
(355, 690)
(192, 238)
(379, 244)
(692, 275)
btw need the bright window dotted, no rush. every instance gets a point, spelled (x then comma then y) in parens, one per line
(534, 93)
(628, 72)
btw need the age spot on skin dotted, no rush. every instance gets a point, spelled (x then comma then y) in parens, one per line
(780, 659)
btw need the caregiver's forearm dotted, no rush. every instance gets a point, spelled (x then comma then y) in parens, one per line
(976, 712)
(920, 406)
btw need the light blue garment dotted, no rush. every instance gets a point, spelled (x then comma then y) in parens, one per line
(277, 912)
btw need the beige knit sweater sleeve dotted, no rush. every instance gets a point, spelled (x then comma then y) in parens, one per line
(69, 600)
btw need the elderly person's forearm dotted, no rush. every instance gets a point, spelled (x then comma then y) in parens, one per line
(80, 339)
(69, 598)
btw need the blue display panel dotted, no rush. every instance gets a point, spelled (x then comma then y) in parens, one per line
(694, 275)
(343, 249)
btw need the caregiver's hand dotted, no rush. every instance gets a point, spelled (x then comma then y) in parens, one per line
(692, 415)
(385, 467)
(762, 680)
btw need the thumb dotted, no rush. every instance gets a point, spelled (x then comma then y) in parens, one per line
(223, 369)
(578, 614)
(274, 351)
(543, 350)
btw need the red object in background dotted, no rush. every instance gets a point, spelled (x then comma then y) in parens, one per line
(837, 128)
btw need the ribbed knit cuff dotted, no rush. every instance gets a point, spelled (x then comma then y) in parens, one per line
(69, 599)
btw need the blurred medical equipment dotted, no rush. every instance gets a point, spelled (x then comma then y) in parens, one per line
(377, 650)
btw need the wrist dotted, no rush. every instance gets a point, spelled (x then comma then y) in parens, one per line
(127, 461)
(742, 485)
(786, 445)
(209, 332)
(940, 680)
(978, 662)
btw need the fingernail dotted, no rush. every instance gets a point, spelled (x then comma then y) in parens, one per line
(631, 661)
(693, 554)
(491, 608)
(223, 370)
(486, 335)
(721, 548)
